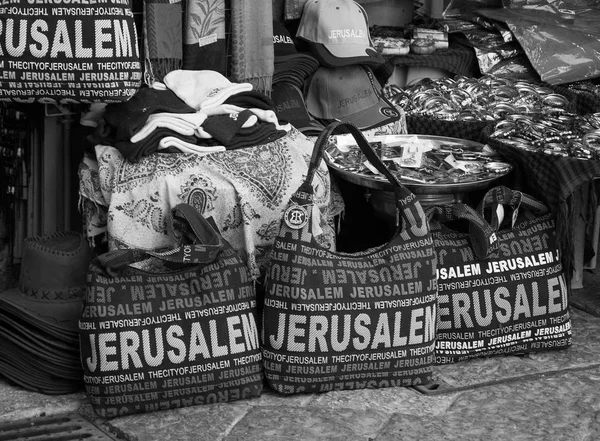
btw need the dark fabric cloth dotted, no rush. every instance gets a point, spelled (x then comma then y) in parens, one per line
(260, 133)
(135, 151)
(162, 38)
(251, 99)
(225, 127)
(128, 118)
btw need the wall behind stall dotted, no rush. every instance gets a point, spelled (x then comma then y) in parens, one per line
(388, 12)
(55, 153)
(46, 196)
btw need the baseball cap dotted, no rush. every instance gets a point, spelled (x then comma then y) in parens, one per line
(284, 46)
(290, 107)
(290, 65)
(351, 94)
(338, 33)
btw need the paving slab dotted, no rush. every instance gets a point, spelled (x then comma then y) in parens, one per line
(555, 408)
(308, 423)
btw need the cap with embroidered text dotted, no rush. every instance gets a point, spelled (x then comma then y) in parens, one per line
(290, 107)
(351, 94)
(338, 33)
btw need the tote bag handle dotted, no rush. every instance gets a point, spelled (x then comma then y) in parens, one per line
(482, 235)
(322, 142)
(519, 203)
(200, 243)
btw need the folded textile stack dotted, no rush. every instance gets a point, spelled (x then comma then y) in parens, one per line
(39, 335)
(200, 112)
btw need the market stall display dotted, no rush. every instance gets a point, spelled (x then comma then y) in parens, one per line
(425, 163)
(487, 98)
(464, 107)
(221, 127)
(439, 170)
(564, 134)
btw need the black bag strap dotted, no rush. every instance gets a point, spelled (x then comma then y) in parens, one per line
(321, 144)
(519, 203)
(199, 243)
(482, 236)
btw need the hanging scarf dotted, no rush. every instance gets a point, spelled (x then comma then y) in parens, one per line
(293, 9)
(252, 43)
(205, 46)
(162, 38)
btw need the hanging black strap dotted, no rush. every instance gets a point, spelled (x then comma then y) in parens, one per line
(519, 204)
(482, 236)
(323, 141)
(200, 243)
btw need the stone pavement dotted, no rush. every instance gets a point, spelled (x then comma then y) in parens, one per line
(551, 396)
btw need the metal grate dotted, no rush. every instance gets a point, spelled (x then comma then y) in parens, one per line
(60, 427)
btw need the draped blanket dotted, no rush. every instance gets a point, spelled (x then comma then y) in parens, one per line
(245, 191)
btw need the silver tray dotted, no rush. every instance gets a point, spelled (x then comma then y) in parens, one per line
(468, 182)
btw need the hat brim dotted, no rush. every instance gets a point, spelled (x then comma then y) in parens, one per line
(57, 317)
(38, 343)
(32, 374)
(66, 368)
(345, 55)
(35, 380)
(383, 113)
(313, 129)
(298, 115)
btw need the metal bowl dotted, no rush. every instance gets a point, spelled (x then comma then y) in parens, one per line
(467, 183)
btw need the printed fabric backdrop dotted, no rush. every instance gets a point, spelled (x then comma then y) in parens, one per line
(245, 191)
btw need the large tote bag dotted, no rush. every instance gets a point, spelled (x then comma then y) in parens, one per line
(508, 295)
(182, 335)
(335, 321)
(68, 51)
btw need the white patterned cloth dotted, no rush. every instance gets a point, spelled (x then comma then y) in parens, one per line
(245, 191)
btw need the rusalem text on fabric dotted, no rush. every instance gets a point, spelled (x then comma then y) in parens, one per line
(176, 344)
(335, 34)
(300, 333)
(65, 2)
(70, 11)
(282, 39)
(496, 305)
(46, 40)
(69, 66)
